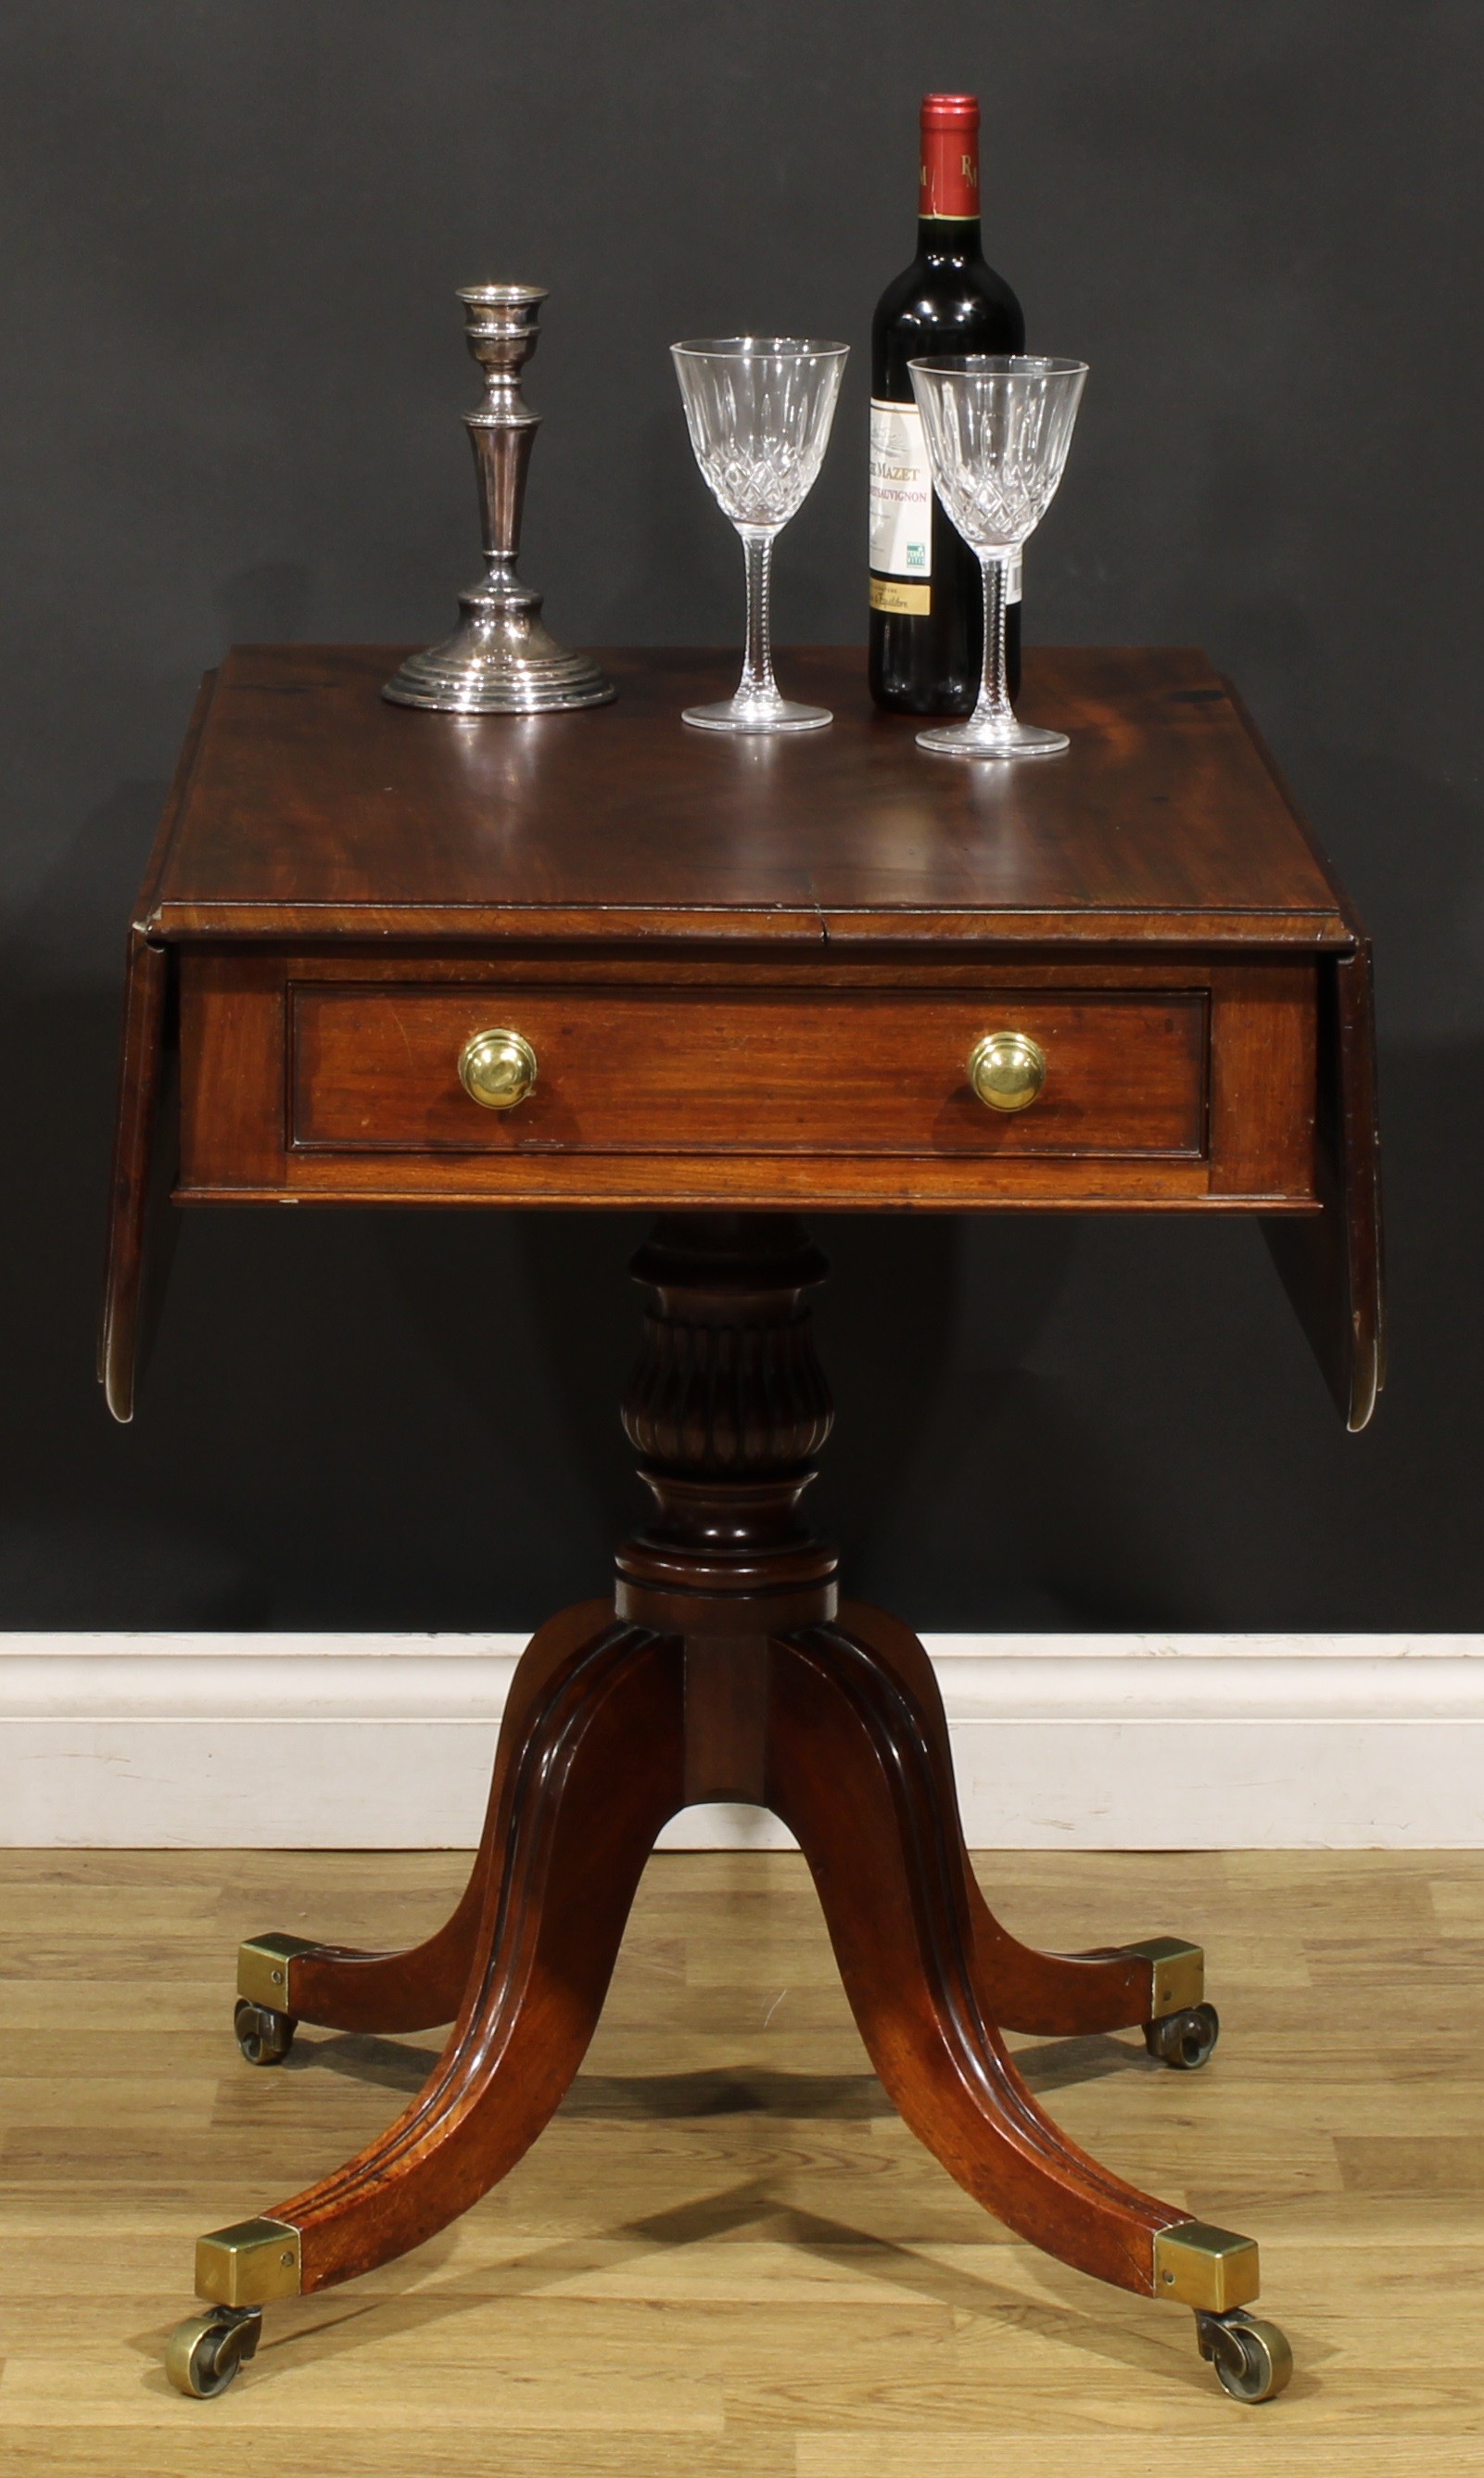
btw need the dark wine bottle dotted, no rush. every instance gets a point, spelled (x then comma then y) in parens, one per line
(926, 597)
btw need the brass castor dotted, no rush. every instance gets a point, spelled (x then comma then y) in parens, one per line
(206, 2351)
(1252, 2359)
(263, 2037)
(1184, 2039)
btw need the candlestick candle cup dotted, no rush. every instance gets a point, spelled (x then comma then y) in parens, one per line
(759, 410)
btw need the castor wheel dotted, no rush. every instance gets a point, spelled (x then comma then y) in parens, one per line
(206, 2351)
(1184, 2039)
(1252, 2359)
(263, 2037)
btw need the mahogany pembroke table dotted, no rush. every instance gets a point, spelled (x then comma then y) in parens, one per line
(594, 959)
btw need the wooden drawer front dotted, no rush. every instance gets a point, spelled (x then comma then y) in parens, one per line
(374, 1069)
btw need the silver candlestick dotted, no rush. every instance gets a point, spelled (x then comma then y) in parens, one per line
(500, 658)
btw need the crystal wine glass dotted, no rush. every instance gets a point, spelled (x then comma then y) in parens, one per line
(997, 427)
(759, 409)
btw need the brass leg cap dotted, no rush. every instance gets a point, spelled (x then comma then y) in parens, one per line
(1212, 2270)
(249, 2263)
(262, 1970)
(1177, 1976)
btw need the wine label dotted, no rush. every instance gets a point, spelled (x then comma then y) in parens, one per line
(901, 514)
(891, 594)
(901, 494)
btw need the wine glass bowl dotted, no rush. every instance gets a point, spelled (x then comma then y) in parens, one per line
(997, 427)
(759, 410)
(997, 450)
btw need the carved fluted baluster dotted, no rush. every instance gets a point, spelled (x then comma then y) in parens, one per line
(727, 1409)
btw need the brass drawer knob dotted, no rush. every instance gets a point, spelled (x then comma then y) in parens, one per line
(497, 1069)
(1007, 1070)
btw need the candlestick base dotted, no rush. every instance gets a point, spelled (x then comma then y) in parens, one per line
(501, 659)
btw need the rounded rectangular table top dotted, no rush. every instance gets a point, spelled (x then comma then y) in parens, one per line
(312, 803)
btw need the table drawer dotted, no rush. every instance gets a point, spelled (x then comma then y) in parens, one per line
(374, 1068)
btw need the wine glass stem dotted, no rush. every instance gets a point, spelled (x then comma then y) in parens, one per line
(993, 704)
(757, 680)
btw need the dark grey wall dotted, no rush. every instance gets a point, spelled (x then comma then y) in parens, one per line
(232, 229)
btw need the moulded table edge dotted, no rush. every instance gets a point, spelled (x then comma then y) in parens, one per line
(1310, 932)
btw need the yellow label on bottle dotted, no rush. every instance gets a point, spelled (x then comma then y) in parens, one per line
(888, 593)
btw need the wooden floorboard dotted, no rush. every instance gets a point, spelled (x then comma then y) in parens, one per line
(726, 2258)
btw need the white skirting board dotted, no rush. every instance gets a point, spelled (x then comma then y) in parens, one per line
(384, 1741)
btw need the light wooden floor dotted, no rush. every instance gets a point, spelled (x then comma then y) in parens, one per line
(726, 2258)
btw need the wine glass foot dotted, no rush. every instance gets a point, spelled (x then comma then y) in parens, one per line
(973, 739)
(757, 714)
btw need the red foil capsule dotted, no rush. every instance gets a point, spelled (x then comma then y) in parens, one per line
(950, 157)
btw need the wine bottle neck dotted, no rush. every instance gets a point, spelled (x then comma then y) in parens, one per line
(948, 182)
(949, 237)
